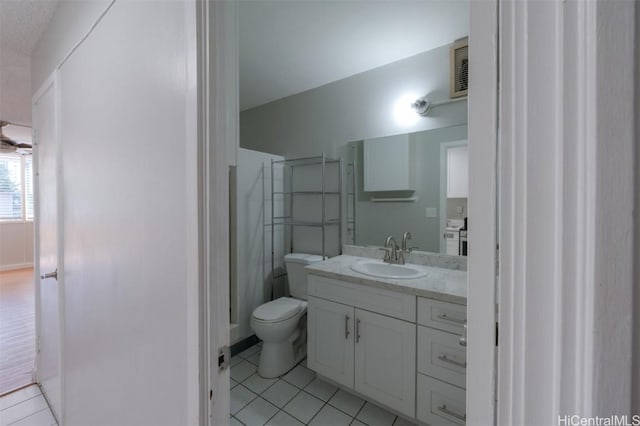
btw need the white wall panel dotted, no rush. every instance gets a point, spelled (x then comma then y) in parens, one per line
(129, 211)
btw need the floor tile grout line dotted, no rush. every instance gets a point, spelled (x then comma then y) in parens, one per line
(283, 408)
(344, 412)
(245, 406)
(274, 414)
(361, 408)
(316, 414)
(238, 420)
(291, 399)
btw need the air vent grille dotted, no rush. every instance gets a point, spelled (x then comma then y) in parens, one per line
(459, 68)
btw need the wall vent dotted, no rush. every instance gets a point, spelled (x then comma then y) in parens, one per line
(459, 81)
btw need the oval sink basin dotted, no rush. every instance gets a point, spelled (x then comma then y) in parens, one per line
(377, 268)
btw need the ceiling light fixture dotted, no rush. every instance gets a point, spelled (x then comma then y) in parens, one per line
(9, 145)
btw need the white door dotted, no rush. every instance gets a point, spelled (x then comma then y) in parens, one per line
(458, 172)
(130, 215)
(385, 360)
(330, 340)
(48, 372)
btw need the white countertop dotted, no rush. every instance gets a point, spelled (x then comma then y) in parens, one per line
(442, 284)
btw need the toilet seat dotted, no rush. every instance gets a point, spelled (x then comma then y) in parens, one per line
(278, 310)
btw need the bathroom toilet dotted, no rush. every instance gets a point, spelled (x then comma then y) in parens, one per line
(282, 323)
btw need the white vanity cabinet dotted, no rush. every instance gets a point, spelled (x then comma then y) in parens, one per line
(371, 353)
(442, 363)
(394, 348)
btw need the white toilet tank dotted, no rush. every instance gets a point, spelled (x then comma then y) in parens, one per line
(295, 263)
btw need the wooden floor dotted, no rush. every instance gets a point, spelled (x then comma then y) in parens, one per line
(25, 407)
(17, 329)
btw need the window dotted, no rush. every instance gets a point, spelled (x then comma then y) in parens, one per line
(16, 187)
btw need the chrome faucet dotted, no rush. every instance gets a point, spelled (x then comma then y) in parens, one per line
(391, 249)
(404, 250)
(405, 237)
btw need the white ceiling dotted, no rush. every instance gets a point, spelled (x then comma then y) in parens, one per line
(287, 47)
(21, 24)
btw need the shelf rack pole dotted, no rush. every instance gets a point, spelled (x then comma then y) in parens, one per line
(273, 231)
(323, 208)
(291, 219)
(340, 189)
(354, 155)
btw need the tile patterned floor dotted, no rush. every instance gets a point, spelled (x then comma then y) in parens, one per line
(25, 407)
(297, 398)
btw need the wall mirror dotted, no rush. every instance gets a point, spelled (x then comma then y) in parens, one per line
(416, 182)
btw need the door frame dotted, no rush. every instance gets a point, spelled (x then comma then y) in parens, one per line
(482, 209)
(567, 156)
(51, 83)
(218, 130)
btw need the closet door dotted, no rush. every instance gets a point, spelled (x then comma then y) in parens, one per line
(131, 254)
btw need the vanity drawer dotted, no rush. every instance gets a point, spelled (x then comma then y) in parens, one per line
(440, 355)
(442, 315)
(386, 302)
(440, 403)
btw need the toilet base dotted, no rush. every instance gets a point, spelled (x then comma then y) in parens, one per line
(278, 358)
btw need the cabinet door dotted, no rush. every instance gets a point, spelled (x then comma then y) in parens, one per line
(457, 172)
(385, 360)
(330, 340)
(387, 164)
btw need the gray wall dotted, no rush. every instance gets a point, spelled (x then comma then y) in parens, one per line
(355, 108)
(375, 220)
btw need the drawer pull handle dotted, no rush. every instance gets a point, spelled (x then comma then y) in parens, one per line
(346, 326)
(443, 409)
(357, 330)
(444, 358)
(445, 317)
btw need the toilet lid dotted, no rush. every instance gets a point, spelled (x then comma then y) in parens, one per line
(277, 310)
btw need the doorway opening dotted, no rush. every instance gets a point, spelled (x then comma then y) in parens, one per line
(17, 284)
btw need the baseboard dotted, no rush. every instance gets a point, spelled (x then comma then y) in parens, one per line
(244, 344)
(16, 266)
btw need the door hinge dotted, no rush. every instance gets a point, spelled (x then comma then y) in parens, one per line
(224, 357)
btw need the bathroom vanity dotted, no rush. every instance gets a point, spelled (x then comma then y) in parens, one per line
(398, 342)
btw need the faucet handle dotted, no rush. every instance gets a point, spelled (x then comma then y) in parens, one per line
(387, 250)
